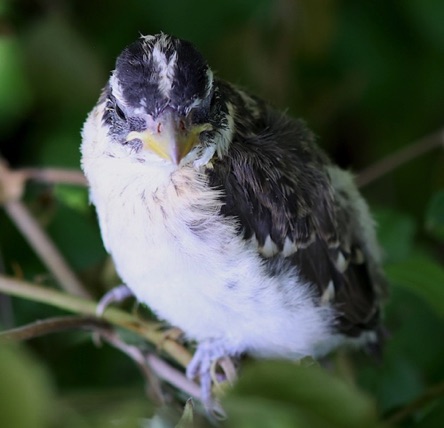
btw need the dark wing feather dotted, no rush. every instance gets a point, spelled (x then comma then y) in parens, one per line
(281, 179)
(276, 185)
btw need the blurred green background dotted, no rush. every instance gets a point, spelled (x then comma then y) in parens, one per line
(367, 76)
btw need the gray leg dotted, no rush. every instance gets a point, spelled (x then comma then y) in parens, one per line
(115, 295)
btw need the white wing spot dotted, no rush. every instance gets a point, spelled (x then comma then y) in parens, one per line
(289, 247)
(358, 256)
(341, 263)
(329, 294)
(269, 249)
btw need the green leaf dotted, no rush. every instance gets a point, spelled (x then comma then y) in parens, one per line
(130, 414)
(434, 219)
(67, 72)
(75, 198)
(434, 417)
(4, 7)
(423, 276)
(186, 421)
(395, 382)
(25, 393)
(15, 95)
(395, 233)
(284, 394)
(427, 17)
(78, 237)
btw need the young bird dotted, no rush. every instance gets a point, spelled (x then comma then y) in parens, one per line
(223, 215)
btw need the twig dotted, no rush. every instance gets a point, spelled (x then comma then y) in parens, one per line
(55, 176)
(44, 247)
(180, 381)
(148, 330)
(12, 184)
(103, 328)
(153, 388)
(52, 325)
(431, 394)
(58, 324)
(173, 376)
(6, 313)
(395, 160)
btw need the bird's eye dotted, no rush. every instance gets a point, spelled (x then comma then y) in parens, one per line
(120, 113)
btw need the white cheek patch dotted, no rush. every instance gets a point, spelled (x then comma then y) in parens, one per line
(139, 110)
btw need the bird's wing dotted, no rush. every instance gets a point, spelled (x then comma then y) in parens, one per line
(276, 183)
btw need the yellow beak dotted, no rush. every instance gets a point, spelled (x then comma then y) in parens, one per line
(170, 139)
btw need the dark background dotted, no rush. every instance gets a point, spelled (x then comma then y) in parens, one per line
(367, 76)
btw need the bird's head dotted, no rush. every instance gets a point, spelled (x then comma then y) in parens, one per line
(161, 100)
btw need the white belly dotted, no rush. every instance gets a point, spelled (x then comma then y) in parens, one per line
(188, 264)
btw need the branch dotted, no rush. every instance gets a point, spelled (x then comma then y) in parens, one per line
(147, 365)
(152, 384)
(44, 247)
(399, 158)
(12, 185)
(6, 313)
(52, 325)
(431, 394)
(148, 330)
(173, 376)
(55, 176)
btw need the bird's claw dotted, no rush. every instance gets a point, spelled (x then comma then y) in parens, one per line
(116, 294)
(207, 355)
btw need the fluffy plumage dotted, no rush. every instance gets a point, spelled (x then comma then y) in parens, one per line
(224, 216)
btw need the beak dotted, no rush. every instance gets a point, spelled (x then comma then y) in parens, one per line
(169, 136)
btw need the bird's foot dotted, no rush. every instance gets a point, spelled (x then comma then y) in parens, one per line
(209, 354)
(116, 294)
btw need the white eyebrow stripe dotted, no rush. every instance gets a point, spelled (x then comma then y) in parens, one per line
(115, 86)
(210, 78)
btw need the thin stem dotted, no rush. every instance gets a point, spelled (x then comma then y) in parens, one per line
(12, 184)
(431, 394)
(153, 387)
(148, 330)
(100, 327)
(173, 376)
(55, 176)
(6, 313)
(52, 325)
(44, 247)
(399, 158)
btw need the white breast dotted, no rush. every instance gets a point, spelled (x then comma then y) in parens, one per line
(179, 256)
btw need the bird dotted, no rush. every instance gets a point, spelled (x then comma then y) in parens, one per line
(224, 216)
